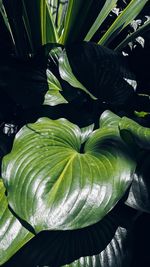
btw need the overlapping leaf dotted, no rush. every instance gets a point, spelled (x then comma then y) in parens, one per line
(139, 194)
(108, 6)
(12, 234)
(56, 248)
(56, 182)
(140, 134)
(101, 72)
(128, 14)
(76, 19)
(53, 96)
(114, 255)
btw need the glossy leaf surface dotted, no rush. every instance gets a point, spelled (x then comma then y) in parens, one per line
(139, 194)
(103, 237)
(12, 234)
(56, 182)
(109, 119)
(140, 134)
(53, 96)
(114, 254)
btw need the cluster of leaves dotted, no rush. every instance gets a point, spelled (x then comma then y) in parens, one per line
(75, 179)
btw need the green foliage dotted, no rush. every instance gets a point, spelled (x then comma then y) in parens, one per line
(60, 180)
(12, 234)
(72, 184)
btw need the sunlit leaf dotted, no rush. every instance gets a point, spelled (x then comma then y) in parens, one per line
(12, 234)
(58, 11)
(108, 6)
(127, 15)
(53, 96)
(109, 119)
(53, 182)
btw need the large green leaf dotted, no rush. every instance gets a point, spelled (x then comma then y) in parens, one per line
(127, 15)
(12, 234)
(54, 181)
(66, 246)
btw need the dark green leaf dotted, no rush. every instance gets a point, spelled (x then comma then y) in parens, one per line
(103, 72)
(80, 17)
(67, 74)
(24, 82)
(140, 134)
(12, 234)
(116, 254)
(68, 246)
(54, 182)
(139, 194)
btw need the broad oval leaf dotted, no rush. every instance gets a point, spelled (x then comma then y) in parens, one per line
(12, 234)
(53, 182)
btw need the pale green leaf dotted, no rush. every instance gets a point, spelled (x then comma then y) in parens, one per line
(53, 182)
(85, 132)
(109, 119)
(53, 96)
